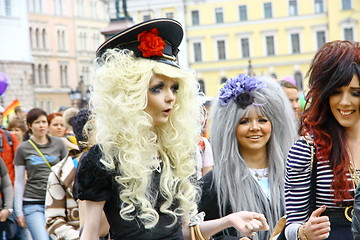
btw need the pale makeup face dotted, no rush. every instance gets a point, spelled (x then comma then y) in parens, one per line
(56, 127)
(161, 98)
(253, 132)
(40, 126)
(345, 102)
(293, 97)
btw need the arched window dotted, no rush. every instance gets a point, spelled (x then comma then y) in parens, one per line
(299, 80)
(61, 75)
(44, 38)
(37, 38)
(31, 37)
(46, 74)
(202, 86)
(65, 75)
(40, 74)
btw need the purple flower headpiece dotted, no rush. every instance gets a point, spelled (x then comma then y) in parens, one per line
(240, 89)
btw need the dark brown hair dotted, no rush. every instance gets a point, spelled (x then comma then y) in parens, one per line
(34, 114)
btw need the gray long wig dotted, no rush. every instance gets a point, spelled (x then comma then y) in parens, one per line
(235, 185)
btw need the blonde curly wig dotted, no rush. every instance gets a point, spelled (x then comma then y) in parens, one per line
(129, 140)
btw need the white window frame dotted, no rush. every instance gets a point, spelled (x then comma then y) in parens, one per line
(246, 11)
(221, 38)
(295, 31)
(242, 36)
(197, 40)
(219, 10)
(266, 34)
(323, 6)
(316, 29)
(349, 23)
(191, 16)
(272, 12)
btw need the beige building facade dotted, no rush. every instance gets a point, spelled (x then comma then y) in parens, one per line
(64, 36)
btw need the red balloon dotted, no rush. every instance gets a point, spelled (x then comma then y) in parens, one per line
(4, 82)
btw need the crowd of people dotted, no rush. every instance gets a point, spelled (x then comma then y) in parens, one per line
(137, 164)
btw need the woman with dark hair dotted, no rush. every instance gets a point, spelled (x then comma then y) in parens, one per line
(331, 124)
(35, 156)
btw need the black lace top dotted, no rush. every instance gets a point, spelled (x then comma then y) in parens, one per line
(95, 183)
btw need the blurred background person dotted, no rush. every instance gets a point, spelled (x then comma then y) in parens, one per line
(57, 129)
(18, 128)
(35, 157)
(69, 133)
(61, 209)
(7, 225)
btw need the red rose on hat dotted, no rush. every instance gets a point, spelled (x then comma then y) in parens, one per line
(150, 43)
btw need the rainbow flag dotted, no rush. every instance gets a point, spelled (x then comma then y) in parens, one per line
(10, 110)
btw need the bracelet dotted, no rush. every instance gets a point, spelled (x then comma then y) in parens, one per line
(303, 230)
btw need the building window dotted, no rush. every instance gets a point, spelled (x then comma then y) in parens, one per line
(8, 8)
(46, 74)
(40, 74)
(243, 13)
(299, 80)
(223, 80)
(219, 15)
(31, 37)
(37, 38)
(201, 86)
(221, 49)
(44, 38)
(169, 15)
(245, 50)
(293, 11)
(197, 52)
(61, 40)
(349, 34)
(83, 46)
(267, 10)
(319, 6)
(270, 46)
(346, 4)
(295, 43)
(146, 17)
(195, 17)
(320, 38)
(58, 7)
(63, 75)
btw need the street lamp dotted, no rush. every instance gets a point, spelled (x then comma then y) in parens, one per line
(80, 96)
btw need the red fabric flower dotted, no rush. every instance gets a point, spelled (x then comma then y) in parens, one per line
(150, 43)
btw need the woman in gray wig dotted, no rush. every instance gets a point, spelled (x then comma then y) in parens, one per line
(252, 129)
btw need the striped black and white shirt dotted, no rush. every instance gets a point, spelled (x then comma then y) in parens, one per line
(297, 184)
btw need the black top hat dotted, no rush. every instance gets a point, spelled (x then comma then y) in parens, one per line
(156, 39)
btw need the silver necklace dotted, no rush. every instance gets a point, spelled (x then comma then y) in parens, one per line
(260, 176)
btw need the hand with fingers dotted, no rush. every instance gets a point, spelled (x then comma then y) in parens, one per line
(248, 223)
(317, 227)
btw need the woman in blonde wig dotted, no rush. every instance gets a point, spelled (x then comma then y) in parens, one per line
(146, 113)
